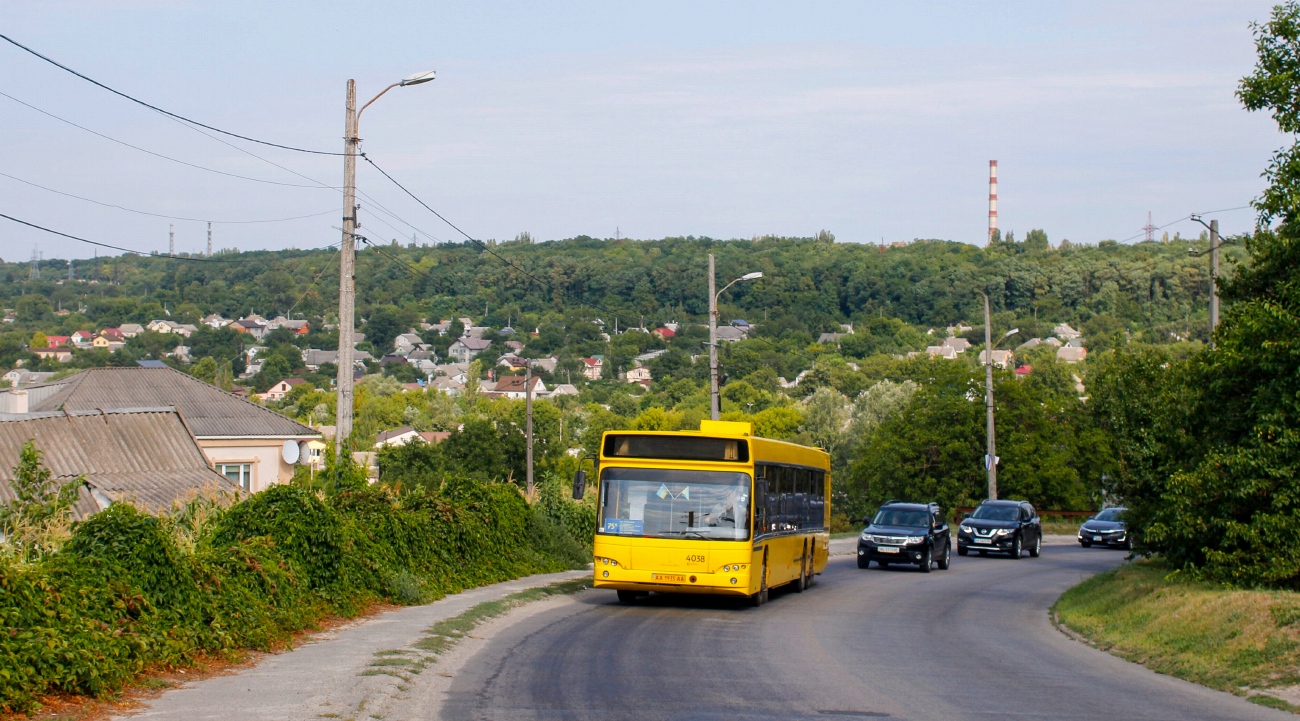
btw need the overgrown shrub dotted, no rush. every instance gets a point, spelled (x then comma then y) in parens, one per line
(123, 594)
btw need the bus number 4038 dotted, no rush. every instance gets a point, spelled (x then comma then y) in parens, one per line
(695, 559)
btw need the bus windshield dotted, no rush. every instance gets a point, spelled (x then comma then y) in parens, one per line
(669, 503)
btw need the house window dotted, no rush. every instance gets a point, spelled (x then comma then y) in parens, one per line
(241, 473)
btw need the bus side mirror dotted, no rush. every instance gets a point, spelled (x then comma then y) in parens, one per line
(579, 484)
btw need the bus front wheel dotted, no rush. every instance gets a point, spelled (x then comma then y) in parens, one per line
(627, 596)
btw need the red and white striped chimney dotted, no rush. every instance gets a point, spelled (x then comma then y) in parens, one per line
(993, 199)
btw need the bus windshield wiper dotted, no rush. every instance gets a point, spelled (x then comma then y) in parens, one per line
(697, 534)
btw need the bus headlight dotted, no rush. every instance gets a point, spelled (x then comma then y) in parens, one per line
(733, 581)
(604, 574)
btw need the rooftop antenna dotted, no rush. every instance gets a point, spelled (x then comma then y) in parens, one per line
(993, 199)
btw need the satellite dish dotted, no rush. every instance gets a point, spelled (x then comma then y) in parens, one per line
(289, 452)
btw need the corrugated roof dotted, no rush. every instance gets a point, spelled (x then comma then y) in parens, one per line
(145, 455)
(208, 410)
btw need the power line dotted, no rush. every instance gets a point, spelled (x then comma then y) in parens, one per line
(160, 215)
(150, 152)
(1148, 230)
(316, 183)
(479, 243)
(157, 109)
(288, 313)
(192, 259)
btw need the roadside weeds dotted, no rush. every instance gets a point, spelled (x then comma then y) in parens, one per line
(1242, 641)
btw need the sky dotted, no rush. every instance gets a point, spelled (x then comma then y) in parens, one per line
(872, 120)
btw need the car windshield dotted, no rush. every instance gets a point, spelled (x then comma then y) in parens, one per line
(669, 503)
(1111, 514)
(997, 513)
(901, 517)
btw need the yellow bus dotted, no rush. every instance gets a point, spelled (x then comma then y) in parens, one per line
(714, 511)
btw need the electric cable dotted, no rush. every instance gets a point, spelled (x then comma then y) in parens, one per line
(481, 244)
(337, 253)
(316, 183)
(157, 109)
(192, 259)
(161, 215)
(156, 155)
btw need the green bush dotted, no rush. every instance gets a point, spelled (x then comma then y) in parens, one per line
(122, 595)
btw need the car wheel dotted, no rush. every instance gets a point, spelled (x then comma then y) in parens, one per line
(1086, 544)
(1016, 548)
(962, 551)
(983, 553)
(883, 564)
(1128, 544)
(926, 561)
(627, 596)
(863, 562)
(1038, 547)
(946, 559)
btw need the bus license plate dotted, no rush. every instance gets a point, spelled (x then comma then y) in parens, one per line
(670, 577)
(887, 549)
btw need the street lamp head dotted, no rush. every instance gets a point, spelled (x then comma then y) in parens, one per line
(752, 276)
(417, 78)
(1011, 332)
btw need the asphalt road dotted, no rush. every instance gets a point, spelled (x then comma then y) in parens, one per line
(973, 642)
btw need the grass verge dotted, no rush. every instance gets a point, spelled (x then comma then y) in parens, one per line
(403, 663)
(1243, 641)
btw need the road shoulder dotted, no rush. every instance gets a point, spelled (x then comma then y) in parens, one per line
(340, 673)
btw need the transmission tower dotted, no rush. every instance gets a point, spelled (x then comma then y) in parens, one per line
(35, 271)
(1149, 228)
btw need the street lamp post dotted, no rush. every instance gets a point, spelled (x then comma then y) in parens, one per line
(347, 257)
(991, 457)
(715, 407)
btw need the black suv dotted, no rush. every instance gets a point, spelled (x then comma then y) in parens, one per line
(1010, 527)
(913, 533)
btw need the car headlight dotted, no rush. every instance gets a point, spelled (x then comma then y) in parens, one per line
(914, 540)
(1005, 531)
(967, 529)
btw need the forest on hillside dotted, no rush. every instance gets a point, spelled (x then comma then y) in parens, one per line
(896, 426)
(1155, 291)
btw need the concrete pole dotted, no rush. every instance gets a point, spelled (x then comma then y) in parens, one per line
(992, 460)
(528, 424)
(714, 406)
(1214, 279)
(347, 274)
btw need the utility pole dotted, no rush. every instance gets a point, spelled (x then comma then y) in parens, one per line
(714, 411)
(991, 459)
(528, 424)
(1214, 279)
(347, 274)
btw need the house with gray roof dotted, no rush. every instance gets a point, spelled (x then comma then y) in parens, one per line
(242, 439)
(463, 350)
(146, 456)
